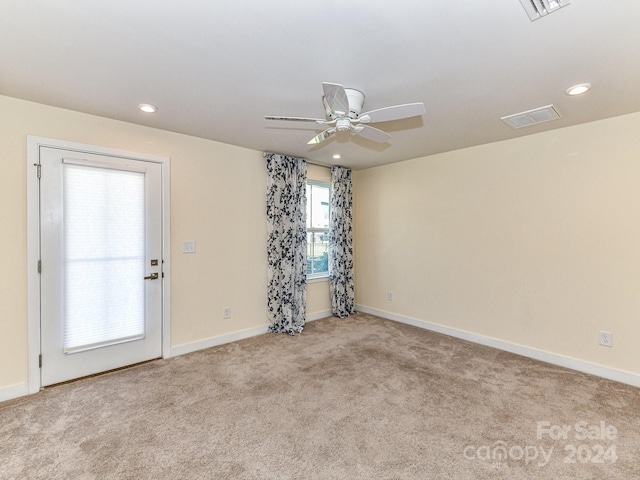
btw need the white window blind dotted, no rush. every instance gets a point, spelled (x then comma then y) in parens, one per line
(104, 256)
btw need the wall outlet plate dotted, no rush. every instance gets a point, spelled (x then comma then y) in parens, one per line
(189, 246)
(605, 339)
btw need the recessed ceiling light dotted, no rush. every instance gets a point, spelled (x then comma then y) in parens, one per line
(337, 156)
(578, 89)
(148, 108)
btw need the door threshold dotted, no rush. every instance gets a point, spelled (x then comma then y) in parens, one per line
(99, 374)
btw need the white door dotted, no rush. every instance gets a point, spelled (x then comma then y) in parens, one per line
(101, 270)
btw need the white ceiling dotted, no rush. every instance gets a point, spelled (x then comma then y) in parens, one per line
(215, 68)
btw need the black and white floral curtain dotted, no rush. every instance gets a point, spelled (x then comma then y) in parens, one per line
(341, 244)
(287, 243)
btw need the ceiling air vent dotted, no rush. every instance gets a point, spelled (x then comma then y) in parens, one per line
(539, 8)
(531, 117)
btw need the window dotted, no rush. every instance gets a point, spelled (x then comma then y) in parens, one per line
(317, 229)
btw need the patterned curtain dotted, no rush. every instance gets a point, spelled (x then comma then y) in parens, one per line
(287, 243)
(341, 244)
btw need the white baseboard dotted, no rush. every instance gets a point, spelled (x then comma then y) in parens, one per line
(542, 355)
(14, 391)
(235, 336)
(319, 315)
(218, 340)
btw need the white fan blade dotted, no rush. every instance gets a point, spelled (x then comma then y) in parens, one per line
(296, 119)
(372, 133)
(397, 112)
(336, 98)
(321, 137)
(327, 109)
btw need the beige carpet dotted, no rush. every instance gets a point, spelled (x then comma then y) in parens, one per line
(360, 398)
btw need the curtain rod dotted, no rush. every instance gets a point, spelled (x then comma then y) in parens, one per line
(264, 154)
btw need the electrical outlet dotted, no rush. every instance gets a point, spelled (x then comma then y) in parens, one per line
(226, 312)
(390, 296)
(189, 246)
(605, 339)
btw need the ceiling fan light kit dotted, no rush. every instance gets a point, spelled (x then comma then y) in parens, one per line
(343, 107)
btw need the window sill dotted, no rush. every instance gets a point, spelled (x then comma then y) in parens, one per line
(323, 278)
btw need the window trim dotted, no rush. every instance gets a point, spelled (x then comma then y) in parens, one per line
(315, 277)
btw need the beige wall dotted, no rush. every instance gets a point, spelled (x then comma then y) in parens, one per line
(533, 241)
(218, 194)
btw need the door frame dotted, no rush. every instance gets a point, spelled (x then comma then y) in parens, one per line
(34, 143)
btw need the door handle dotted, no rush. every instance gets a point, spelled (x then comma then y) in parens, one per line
(153, 276)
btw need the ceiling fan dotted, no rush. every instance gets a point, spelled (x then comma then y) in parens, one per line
(343, 107)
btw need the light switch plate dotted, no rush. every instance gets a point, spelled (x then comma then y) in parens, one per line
(189, 246)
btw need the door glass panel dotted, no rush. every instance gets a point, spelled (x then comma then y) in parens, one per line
(104, 256)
